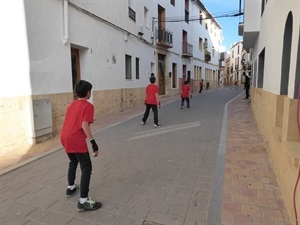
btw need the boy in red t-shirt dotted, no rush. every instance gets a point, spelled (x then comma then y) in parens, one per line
(185, 95)
(151, 101)
(76, 128)
(201, 85)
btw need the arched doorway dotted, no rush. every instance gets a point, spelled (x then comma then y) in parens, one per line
(286, 54)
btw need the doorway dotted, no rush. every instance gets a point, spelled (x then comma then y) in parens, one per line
(75, 63)
(161, 74)
(286, 55)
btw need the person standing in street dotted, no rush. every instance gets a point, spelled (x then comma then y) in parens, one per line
(246, 85)
(201, 85)
(151, 101)
(185, 95)
(75, 131)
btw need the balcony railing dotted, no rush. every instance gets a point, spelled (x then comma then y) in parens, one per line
(164, 37)
(207, 56)
(187, 50)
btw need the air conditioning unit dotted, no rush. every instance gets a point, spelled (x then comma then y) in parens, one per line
(140, 30)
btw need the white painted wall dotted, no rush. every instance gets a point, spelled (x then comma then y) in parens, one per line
(252, 15)
(271, 39)
(15, 77)
(36, 57)
(104, 42)
(50, 66)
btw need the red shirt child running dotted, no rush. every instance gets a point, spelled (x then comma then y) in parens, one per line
(185, 90)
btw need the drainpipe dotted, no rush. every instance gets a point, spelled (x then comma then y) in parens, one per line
(65, 21)
(152, 34)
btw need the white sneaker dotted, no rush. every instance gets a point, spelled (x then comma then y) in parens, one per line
(142, 123)
(156, 125)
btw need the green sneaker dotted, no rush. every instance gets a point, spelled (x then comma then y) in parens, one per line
(88, 205)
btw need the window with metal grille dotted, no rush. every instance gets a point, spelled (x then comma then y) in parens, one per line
(128, 72)
(137, 68)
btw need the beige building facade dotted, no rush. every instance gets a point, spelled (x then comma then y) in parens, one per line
(236, 68)
(272, 38)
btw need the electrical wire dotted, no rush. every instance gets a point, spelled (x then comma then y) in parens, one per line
(199, 18)
(295, 190)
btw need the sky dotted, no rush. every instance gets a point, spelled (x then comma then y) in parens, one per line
(229, 24)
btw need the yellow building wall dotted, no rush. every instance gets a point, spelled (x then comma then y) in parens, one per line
(15, 114)
(276, 117)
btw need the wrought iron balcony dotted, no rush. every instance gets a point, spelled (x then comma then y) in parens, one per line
(207, 56)
(187, 50)
(164, 37)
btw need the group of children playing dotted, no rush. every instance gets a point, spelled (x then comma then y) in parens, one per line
(76, 129)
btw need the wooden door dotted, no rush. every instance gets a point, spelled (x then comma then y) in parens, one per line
(75, 62)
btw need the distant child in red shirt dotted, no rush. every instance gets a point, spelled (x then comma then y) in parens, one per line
(151, 101)
(75, 131)
(201, 85)
(235, 84)
(185, 95)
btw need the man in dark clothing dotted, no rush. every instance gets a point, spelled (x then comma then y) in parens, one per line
(246, 85)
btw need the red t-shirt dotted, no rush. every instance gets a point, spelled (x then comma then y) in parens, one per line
(201, 84)
(72, 135)
(151, 90)
(185, 91)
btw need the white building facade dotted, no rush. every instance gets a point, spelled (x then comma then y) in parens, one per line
(272, 38)
(115, 45)
(236, 67)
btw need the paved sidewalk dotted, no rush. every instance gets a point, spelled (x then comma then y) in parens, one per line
(251, 195)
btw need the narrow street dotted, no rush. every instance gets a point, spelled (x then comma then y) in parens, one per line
(144, 175)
